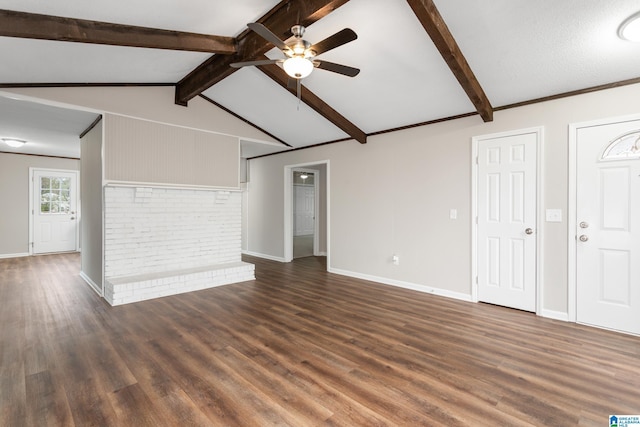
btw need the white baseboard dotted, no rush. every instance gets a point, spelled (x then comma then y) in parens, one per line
(265, 256)
(402, 284)
(320, 254)
(557, 315)
(14, 255)
(97, 289)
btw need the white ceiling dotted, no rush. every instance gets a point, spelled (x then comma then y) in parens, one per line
(519, 50)
(49, 130)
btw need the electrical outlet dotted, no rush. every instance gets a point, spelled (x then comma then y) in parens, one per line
(453, 214)
(395, 259)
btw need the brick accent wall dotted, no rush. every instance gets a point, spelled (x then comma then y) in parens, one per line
(166, 232)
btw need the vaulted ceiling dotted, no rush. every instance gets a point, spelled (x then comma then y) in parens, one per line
(421, 61)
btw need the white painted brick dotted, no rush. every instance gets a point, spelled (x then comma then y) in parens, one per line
(183, 281)
(159, 230)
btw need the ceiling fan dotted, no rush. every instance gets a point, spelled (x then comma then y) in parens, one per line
(300, 55)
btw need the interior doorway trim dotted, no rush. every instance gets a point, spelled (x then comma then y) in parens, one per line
(572, 209)
(539, 132)
(288, 208)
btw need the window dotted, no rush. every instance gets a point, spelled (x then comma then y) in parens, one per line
(54, 195)
(624, 147)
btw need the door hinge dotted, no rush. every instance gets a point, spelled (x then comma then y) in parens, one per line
(476, 280)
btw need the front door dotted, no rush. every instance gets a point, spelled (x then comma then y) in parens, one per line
(54, 212)
(608, 226)
(506, 219)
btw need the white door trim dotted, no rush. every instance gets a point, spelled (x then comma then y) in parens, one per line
(32, 171)
(572, 209)
(539, 234)
(288, 208)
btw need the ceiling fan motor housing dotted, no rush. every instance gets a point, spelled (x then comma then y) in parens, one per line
(298, 45)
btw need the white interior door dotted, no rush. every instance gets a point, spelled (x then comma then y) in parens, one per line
(304, 210)
(506, 220)
(608, 226)
(54, 211)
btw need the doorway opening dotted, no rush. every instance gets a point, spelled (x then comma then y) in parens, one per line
(306, 210)
(305, 194)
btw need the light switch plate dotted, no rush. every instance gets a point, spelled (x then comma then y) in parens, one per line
(453, 214)
(554, 215)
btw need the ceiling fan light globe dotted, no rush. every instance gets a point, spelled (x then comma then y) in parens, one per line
(630, 29)
(298, 67)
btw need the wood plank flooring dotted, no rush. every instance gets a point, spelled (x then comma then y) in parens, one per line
(296, 347)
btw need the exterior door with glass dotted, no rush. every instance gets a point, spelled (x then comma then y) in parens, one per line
(54, 212)
(608, 226)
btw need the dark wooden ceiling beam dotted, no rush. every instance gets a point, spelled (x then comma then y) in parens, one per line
(46, 27)
(250, 45)
(437, 29)
(278, 75)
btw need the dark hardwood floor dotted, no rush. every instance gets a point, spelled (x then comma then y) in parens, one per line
(297, 347)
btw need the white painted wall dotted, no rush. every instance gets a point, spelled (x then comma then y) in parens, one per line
(393, 196)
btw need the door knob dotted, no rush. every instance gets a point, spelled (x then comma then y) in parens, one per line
(73, 217)
(583, 238)
(529, 231)
(584, 224)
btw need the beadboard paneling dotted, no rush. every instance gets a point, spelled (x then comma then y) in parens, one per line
(149, 152)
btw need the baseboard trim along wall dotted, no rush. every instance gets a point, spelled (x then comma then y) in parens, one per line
(20, 255)
(401, 284)
(556, 315)
(91, 283)
(550, 314)
(264, 256)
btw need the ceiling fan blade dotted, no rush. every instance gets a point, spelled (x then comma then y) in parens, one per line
(337, 68)
(266, 34)
(259, 62)
(338, 39)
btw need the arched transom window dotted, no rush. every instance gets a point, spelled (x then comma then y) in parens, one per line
(623, 147)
